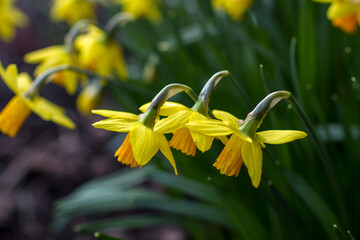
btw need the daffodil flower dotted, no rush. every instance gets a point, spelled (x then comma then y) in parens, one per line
(183, 138)
(140, 144)
(234, 8)
(89, 97)
(51, 57)
(100, 53)
(142, 9)
(72, 11)
(344, 14)
(244, 145)
(19, 108)
(10, 18)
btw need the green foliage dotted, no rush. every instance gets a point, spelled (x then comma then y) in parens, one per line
(298, 198)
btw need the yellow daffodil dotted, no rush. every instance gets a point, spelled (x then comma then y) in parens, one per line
(142, 8)
(140, 144)
(244, 145)
(183, 139)
(19, 108)
(10, 18)
(72, 11)
(51, 57)
(344, 14)
(100, 53)
(234, 8)
(89, 98)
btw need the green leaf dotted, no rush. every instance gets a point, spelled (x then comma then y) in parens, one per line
(313, 201)
(102, 236)
(128, 222)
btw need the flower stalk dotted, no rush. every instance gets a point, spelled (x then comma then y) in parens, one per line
(42, 80)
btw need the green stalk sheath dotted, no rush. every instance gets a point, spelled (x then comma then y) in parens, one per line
(42, 80)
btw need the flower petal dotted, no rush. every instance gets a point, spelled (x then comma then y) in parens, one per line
(169, 108)
(252, 156)
(202, 142)
(116, 114)
(225, 116)
(165, 149)
(49, 111)
(145, 143)
(173, 122)
(210, 127)
(280, 136)
(340, 9)
(9, 77)
(116, 124)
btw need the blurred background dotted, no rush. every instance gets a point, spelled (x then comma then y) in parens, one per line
(57, 183)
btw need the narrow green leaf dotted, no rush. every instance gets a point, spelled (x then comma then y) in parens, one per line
(313, 201)
(102, 236)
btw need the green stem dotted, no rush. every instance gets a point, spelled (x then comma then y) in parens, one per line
(42, 80)
(117, 21)
(75, 30)
(208, 89)
(293, 69)
(242, 94)
(329, 168)
(167, 92)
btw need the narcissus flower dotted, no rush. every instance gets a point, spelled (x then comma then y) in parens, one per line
(51, 57)
(89, 97)
(183, 138)
(100, 53)
(10, 18)
(72, 11)
(142, 8)
(141, 143)
(344, 14)
(234, 8)
(19, 108)
(244, 144)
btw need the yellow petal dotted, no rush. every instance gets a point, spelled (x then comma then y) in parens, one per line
(42, 54)
(9, 76)
(202, 142)
(116, 114)
(173, 122)
(280, 136)
(340, 9)
(23, 82)
(116, 124)
(225, 116)
(209, 127)
(165, 149)
(49, 111)
(169, 108)
(252, 156)
(145, 143)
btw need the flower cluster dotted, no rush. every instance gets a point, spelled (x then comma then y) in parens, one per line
(193, 128)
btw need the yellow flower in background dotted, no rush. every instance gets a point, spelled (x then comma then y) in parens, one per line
(89, 98)
(19, 108)
(10, 18)
(100, 53)
(142, 8)
(234, 8)
(72, 11)
(141, 142)
(344, 14)
(51, 57)
(244, 145)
